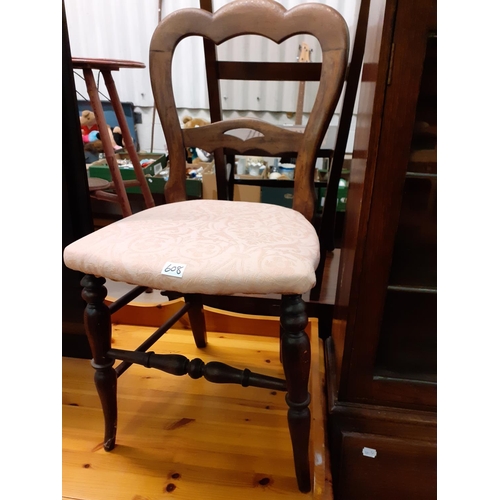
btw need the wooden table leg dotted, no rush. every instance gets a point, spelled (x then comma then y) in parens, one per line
(127, 138)
(109, 151)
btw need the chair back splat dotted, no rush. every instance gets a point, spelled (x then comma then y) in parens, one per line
(199, 248)
(273, 21)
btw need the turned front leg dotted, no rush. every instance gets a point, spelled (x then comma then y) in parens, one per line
(97, 320)
(296, 353)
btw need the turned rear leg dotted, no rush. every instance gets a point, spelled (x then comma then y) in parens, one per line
(197, 319)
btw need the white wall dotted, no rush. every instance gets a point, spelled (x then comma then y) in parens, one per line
(122, 29)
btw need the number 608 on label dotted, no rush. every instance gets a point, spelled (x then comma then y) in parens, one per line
(173, 269)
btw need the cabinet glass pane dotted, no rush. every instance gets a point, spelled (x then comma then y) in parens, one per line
(414, 261)
(423, 155)
(407, 345)
(414, 257)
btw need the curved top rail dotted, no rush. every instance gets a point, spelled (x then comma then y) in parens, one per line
(271, 20)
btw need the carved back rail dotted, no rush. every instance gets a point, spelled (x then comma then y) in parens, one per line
(251, 17)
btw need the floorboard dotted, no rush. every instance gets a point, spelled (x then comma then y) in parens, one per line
(189, 439)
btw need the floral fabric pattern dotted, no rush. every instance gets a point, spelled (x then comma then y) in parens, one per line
(226, 247)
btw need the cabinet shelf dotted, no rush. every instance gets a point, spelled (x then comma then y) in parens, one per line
(415, 289)
(421, 175)
(417, 377)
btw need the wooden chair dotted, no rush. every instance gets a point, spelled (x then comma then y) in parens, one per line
(221, 247)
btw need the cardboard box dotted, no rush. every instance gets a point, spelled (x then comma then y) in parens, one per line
(247, 193)
(154, 174)
(209, 186)
(127, 171)
(208, 181)
(241, 193)
(101, 170)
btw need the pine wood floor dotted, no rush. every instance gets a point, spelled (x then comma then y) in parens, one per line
(189, 439)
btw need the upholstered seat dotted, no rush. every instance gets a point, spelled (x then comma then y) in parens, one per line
(226, 248)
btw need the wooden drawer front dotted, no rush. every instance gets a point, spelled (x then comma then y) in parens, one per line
(374, 467)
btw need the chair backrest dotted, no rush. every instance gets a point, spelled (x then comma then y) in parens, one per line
(271, 20)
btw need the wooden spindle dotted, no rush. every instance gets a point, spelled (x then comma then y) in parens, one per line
(218, 373)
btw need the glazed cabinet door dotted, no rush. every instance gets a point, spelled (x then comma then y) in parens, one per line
(392, 358)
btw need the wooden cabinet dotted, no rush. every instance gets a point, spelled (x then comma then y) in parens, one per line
(366, 460)
(381, 359)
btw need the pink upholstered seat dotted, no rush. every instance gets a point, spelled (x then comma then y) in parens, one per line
(226, 248)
